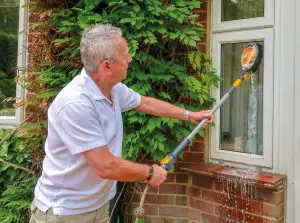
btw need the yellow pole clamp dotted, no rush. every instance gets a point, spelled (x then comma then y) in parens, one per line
(237, 83)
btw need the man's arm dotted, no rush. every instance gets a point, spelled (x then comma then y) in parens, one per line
(108, 166)
(160, 108)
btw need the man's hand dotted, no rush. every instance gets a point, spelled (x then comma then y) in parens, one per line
(159, 176)
(197, 117)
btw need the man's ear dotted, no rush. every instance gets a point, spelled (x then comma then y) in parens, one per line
(106, 65)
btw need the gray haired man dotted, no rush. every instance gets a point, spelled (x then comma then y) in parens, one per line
(85, 130)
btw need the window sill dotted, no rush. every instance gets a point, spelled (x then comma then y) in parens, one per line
(264, 179)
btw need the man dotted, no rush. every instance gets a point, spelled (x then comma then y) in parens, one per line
(83, 148)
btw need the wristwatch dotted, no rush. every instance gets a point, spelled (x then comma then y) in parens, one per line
(187, 115)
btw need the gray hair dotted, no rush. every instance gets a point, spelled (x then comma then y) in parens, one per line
(98, 42)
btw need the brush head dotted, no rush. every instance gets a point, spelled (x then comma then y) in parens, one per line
(251, 57)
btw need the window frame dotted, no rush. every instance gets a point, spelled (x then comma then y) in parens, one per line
(11, 121)
(217, 155)
(249, 23)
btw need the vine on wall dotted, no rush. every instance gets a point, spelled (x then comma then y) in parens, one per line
(163, 39)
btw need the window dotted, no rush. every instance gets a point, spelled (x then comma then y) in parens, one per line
(242, 14)
(12, 59)
(244, 124)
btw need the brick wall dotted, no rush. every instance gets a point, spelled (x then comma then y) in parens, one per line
(229, 199)
(209, 194)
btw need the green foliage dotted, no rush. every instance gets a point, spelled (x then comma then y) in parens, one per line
(162, 37)
(16, 186)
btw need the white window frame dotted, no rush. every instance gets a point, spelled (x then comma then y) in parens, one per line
(11, 121)
(249, 23)
(266, 35)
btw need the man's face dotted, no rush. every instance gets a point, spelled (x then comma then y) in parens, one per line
(120, 65)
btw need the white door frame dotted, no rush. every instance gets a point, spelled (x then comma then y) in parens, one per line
(297, 117)
(288, 125)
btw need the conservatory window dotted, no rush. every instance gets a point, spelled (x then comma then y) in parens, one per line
(12, 59)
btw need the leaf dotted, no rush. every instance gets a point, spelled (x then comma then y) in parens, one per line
(136, 8)
(4, 149)
(46, 94)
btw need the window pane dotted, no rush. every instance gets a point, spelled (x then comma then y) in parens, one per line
(241, 9)
(9, 28)
(242, 114)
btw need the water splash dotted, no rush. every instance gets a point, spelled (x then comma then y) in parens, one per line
(252, 117)
(238, 191)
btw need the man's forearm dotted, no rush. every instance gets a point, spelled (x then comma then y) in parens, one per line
(106, 165)
(123, 170)
(160, 108)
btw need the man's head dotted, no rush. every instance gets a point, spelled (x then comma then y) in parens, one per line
(104, 49)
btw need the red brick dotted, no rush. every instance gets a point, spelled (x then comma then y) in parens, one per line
(197, 146)
(254, 219)
(207, 218)
(202, 17)
(181, 200)
(151, 210)
(201, 205)
(159, 199)
(235, 202)
(274, 211)
(227, 220)
(203, 5)
(151, 219)
(233, 214)
(212, 196)
(172, 211)
(270, 196)
(203, 181)
(194, 192)
(194, 214)
(172, 189)
(202, 47)
(181, 178)
(170, 178)
(193, 157)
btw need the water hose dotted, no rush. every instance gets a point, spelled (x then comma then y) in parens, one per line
(250, 61)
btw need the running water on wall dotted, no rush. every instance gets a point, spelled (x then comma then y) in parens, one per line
(238, 196)
(252, 116)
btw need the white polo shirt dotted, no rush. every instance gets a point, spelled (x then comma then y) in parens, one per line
(81, 118)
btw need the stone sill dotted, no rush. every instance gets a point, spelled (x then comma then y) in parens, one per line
(264, 179)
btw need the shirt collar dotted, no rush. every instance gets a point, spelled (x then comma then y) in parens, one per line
(90, 86)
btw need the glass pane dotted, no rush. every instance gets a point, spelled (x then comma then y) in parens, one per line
(242, 114)
(242, 9)
(9, 28)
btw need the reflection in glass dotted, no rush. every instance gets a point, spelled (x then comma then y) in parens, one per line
(241, 9)
(9, 28)
(242, 114)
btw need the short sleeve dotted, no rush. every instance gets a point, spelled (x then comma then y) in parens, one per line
(78, 127)
(128, 98)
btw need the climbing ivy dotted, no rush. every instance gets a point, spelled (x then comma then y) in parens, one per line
(16, 185)
(163, 39)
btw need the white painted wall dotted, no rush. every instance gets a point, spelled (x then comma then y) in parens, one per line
(297, 116)
(288, 123)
